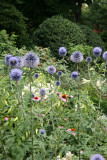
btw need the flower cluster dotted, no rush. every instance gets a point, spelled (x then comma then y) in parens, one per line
(57, 83)
(59, 73)
(62, 51)
(64, 97)
(97, 157)
(74, 75)
(42, 131)
(89, 59)
(76, 57)
(31, 60)
(51, 69)
(7, 59)
(97, 51)
(20, 63)
(42, 92)
(13, 62)
(16, 74)
(36, 75)
(105, 55)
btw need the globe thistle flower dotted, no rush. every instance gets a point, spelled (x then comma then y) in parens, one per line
(32, 95)
(7, 59)
(57, 83)
(105, 55)
(97, 157)
(13, 61)
(20, 62)
(31, 60)
(89, 59)
(59, 73)
(74, 75)
(97, 51)
(42, 91)
(16, 74)
(41, 131)
(36, 75)
(76, 57)
(51, 69)
(62, 51)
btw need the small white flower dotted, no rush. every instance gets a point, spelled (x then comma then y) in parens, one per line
(85, 81)
(68, 155)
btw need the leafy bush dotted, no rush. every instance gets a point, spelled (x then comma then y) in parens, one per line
(7, 43)
(13, 21)
(56, 32)
(86, 50)
(92, 38)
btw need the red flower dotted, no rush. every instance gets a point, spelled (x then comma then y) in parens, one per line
(73, 129)
(64, 96)
(36, 98)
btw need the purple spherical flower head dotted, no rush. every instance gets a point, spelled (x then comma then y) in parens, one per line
(105, 55)
(76, 57)
(7, 59)
(16, 74)
(41, 131)
(13, 62)
(42, 92)
(62, 51)
(74, 75)
(31, 60)
(59, 73)
(97, 51)
(89, 59)
(51, 69)
(97, 157)
(36, 75)
(57, 83)
(32, 95)
(20, 62)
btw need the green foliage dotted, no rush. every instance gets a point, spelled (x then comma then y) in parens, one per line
(95, 17)
(7, 44)
(86, 50)
(56, 32)
(13, 21)
(92, 38)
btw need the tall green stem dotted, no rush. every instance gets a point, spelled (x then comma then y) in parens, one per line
(9, 79)
(18, 97)
(105, 68)
(31, 112)
(77, 67)
(92, 81)
(78, 123)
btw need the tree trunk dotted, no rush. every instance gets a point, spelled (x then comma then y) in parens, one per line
(78, 11)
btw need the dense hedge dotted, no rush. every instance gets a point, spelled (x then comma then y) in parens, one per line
(13, 21)
(92, 38)
(56, 32)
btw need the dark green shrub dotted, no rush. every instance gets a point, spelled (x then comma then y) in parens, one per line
(92, 38)
(56, 32)
(13, 21)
